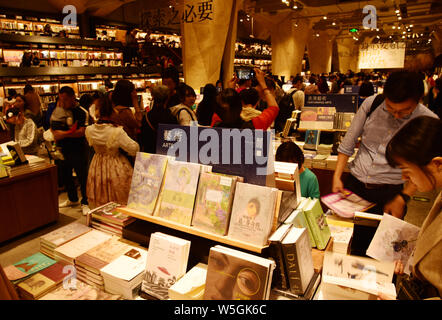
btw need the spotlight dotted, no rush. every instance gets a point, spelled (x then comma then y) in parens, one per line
(397, 11)
(334, 23)
(324, 17)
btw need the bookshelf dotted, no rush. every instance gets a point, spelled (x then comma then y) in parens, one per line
(191, 230)
(253, 53)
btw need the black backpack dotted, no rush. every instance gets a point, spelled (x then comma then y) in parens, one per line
(376, 103)
(286, 107)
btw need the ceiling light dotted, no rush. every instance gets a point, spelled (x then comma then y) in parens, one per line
(334, 23)
(241, 20)
(324, 17)
(404, 32)
(403, 37)
(411, 26)
(317, 34)
(378, 37)
(400, 18)
(417, 41)
(377, 29)
(399, 28)
(394, 27)
(397, 11)
(422, 34)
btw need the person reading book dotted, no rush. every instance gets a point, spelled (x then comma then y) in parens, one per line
(417, 151)
(289, 152)
(376, 121)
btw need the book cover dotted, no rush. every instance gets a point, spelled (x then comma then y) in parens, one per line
(166, 263)
(213, 204)
(108, 213)
(394, 240)
(342, 232)
(35, 286)
(235, 275)
(298, 220)
(81, 291)
(280, 279)
(346, 204)
(289, 202)
(191, 286)
(178, 195)
(312, 139)
(64, 234)
(252, 213)
(318, 223)
(298, 259)
(28, 266)
(146, 183)
(56, 272)
(337, 139)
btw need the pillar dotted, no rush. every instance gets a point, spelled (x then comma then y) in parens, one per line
(437, 42)
(229, 49)
(205, 40)
(348, 53)
(320, 52)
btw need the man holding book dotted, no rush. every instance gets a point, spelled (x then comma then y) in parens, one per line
(376, 122)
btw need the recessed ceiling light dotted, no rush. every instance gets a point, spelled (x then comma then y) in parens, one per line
(324, 17)
(397, 11)
(400, 18)
(334, 23)
(394, 27)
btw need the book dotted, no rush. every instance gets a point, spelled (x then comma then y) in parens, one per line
(337, 139)
(147, 180)
(16, 153)
(297, 219)
(312, 139)
(74, 248)
(178, 195)
(35, 286)
(28, 266)
(213, 203)
(191, 286)
(346, 204)
(341, 232)
(317, 222)
(279, 294)
(236, 275)
(166, 263)
(287, 201)
(79, 291)
(60, 236)
(394, 239)
(322, 118)
(350, 277)
(252, 213)
(124, 275)
(298, 259)
(288, 171)
(279, 279)
(108, 213)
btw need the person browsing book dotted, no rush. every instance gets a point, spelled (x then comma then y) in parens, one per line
(375, 123)
(416, 150)
(289, 152)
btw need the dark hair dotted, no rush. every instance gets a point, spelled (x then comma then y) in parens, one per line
(323, 85)
(438, 84)
(270, 83)
(25, 106)
(366, 89)
(104, 107)
(228, 105)
(218, 81)
(249, 96)
(418, 142)
(403, 85)
(184, 90)
(12, 93)
(108, 84)
(297, 79)
(257, 204)
(206, 107)
(312, 80)
(290, 152)
(28, 88)
(171, 73)
(242, 81)
(122, 95)
(86, 101)
(67, 90)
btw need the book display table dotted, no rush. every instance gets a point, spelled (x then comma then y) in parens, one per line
(29, 199)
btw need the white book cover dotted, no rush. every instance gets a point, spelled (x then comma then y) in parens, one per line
(394, 239)
(82, 244)
(191, 285)
(64, 234)
(166, 263)
(127, 266)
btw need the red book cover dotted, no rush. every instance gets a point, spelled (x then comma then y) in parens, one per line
(55, 272)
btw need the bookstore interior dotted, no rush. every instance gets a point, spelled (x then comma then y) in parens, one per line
(221, 150)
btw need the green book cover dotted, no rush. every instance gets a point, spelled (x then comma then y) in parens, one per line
(317, 223)
(33, 264)
(146, 182)
(214, 202)
(298, 220)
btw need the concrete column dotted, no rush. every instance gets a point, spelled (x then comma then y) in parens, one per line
(348, 53)
(437, 42)
(205, 42)
(320, 51)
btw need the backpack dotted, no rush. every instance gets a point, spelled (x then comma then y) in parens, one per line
(286, 107)
(376, 103)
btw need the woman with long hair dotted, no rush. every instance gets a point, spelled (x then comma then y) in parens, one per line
(206, 107)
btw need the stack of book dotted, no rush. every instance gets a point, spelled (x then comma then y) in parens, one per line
(287, 177)
(324, 149)
(297, 219)
(343, 120)
(107, 219)
(70, 251)
(341, 232)
(124, 275)
(320, 161)
(89, 263)
(50, 241)
(166, 263)
(279, 294)
(79, 291)
(191, 285)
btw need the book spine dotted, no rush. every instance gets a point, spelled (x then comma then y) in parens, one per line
(313, 227)
(292, 267)
(280, 275)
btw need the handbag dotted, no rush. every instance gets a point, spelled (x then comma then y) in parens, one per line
(412, 288)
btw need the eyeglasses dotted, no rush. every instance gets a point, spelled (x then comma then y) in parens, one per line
(404, 114)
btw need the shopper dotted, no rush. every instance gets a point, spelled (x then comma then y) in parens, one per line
(375, 123)
(312, 88)
(290, 152)
(244, 84)
(171, 79)
(25, 131)
(206, 107)
(249, 100)
(323, 85)
(365, 90)
(156, 115)
(229, 108)
(417, 151)
(110, 172)
(33, 102)
(124, 97)
(73, 146)
(183, 112)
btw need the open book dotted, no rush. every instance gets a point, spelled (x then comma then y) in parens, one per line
(345, 205)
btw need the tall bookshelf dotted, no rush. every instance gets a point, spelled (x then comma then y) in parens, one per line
(253, 53)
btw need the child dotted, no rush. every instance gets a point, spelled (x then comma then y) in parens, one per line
(290, 152)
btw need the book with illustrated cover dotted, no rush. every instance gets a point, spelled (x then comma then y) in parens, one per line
(147, 180)
(312, 139)
(317, 222)
(342, 232)
(253, 213)
(35, 286)
(280, 279)
(298, 220)
(191, 286)
(395, 239)
(214, 202)
(337, 139)
(28, 266)
(298, 259)
(345, 205)
(178, 195)
(81, 291)
(236, 275)
(166, 263)
(108, 214)
(63, 235)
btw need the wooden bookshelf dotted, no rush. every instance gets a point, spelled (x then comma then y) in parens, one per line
(191, 230)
